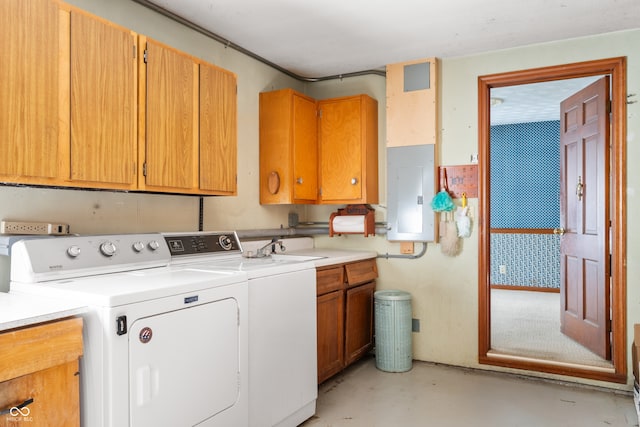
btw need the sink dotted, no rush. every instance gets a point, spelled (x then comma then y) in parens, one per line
(287, 257)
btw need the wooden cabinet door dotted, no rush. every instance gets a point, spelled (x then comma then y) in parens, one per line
(358, 322)
(103, 103)
(305, 149)
(55, 394)
(348, 150)
(330, 313)
(170, 137)
(218, 131)
(33, 102)
(288, 148)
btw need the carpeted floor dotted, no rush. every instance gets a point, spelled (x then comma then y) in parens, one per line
(527, 323)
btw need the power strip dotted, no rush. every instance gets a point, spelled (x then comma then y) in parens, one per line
(26, 227)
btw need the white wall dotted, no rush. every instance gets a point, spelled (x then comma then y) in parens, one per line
(444, 289)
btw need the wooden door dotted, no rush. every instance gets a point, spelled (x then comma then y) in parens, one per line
(330, 315)
(103, 103)
(305, 149)
(358, 322)
(340, 149)
(33, 105)
(584, 216)
(218, 131)
(171, 142)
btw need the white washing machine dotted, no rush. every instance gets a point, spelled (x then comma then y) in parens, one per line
(282, 323)
(164, 345)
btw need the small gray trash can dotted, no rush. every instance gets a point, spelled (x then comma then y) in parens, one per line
(392, 319)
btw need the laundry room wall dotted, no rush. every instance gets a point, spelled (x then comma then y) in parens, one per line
(444, 289)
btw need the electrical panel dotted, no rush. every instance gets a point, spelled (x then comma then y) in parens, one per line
(410, 189)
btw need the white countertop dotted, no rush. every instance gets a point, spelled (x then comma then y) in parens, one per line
(18, 310)
(333, 256)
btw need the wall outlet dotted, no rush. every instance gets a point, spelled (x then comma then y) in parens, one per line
(503, 269)
(415, 325)
(27, 227)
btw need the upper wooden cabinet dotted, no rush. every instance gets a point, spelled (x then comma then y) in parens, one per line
(218, 130)
(79, 107)
(104, 103)
(33, 115)
(318, 151)
(288, 148)
(348, 139)
(189, 144)
(169, 110)
(69, 100)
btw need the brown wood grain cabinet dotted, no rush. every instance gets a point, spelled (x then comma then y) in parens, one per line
(68, 109)
(186, 146)
(42, 367)
(348, 140)
(34, 87)
(218, 131)
(288, 148)
(345, 315)
(80, 107)
(104, 104)
(318, 151)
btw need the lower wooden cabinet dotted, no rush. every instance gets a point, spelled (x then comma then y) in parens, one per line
(39, 375)
(345, 315)
(330, 334)
(358, 337)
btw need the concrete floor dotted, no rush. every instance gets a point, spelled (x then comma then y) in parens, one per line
(442, 396)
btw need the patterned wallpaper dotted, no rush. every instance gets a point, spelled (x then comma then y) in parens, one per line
(525, 175)
(525, 193)
(531, 260)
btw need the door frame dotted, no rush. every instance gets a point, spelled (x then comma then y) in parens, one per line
(616, 68)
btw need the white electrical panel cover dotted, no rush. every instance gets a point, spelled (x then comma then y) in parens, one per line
(410, 187)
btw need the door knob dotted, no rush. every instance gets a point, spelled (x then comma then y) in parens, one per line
(559, 231)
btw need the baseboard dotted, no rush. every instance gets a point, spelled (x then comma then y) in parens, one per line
(525, 288)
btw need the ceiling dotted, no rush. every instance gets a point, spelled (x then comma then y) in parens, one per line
(535, 102)
(331, 38)
(337, 37)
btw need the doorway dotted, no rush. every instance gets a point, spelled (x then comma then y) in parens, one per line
(616, 69)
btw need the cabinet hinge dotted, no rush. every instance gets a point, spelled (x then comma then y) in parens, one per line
(320, 113)
(145, 56)
(144, 169)
(134, 51)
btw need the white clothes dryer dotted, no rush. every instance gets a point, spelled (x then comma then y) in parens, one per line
(163, 346)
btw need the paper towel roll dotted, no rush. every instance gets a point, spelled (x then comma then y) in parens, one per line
(348, 224)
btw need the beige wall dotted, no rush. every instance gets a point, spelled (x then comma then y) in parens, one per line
(444, 289)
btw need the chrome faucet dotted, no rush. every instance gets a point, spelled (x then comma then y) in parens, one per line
(261, 252)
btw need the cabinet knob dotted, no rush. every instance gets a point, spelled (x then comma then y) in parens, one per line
(354, 181)
(299, 180)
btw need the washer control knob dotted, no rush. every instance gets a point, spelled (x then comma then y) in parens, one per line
(225, 242)
(154, 245)
(138, 246)
(73, 251)
(108, 249)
